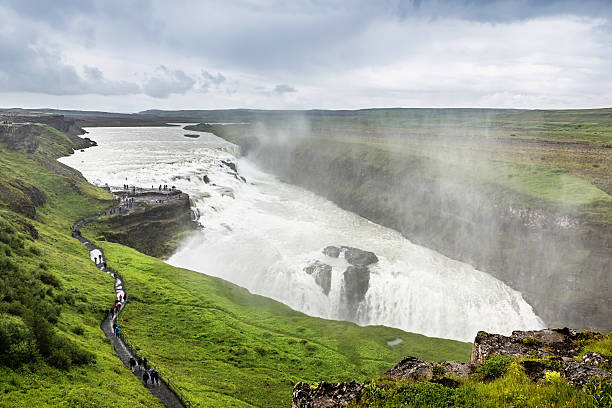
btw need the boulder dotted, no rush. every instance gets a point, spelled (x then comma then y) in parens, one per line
(521, 344)
(359, 257)
(411, 368)
(332, 251)
(322, 274)
(457, 369)
(579, 374)
(325, 395)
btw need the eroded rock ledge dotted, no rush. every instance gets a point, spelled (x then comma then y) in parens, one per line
(560, 348)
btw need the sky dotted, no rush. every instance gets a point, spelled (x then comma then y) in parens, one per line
(133, 55)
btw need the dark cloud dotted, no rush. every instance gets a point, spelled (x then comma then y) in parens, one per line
(284, 88)
(166, 82)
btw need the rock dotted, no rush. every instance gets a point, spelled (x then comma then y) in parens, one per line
(457, 369)
(359, 257)
(596, 360)
(241, 351)
(411, 368)
(230, 165)
(356, 283)
(325, 395)
(332, 251)
(532, 343)
(579, 374)
(322, 274)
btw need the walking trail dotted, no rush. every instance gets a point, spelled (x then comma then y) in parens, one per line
(162, 391)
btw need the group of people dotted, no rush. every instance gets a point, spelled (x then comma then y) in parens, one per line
(141, 365)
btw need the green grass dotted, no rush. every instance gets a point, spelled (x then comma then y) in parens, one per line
(79, 292)
(512, 389)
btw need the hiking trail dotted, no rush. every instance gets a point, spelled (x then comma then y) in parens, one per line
(163, 391)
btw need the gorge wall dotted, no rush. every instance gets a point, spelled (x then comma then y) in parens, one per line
(559, 261)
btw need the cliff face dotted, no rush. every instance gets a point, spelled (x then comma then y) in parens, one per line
(559, 261)
(152, 228)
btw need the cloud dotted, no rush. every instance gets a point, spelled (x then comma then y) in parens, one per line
(208, 80)
(284, 88)
(31, 67)
(165, 82)
(358, 53)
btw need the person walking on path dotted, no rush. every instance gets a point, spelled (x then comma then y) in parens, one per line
(132, 363)
(145, 378)
(145, 364)
(117, 330)
(139, 359)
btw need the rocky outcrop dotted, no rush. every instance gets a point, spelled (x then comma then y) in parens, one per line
(540, 344)
(359, 257)
(332, 251)
(541, 351)
(356, 284)
(152, 228)
(322, 274)
(21, 138)
(325, 395)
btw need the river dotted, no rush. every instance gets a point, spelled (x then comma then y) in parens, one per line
(262, 233)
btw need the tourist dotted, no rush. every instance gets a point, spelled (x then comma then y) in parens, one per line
(132, 363)
(154, 377)
(117, 330)
(139, 359)
(145, 378)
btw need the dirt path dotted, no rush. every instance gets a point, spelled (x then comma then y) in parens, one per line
(162, 391)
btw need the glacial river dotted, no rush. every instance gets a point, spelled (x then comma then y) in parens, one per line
(262, 233)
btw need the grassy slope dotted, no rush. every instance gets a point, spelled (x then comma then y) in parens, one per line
(106, 382)
(192, 326)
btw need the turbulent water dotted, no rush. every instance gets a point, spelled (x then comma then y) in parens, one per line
(261, 233)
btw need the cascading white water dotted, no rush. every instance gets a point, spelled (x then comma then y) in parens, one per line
(262, 233)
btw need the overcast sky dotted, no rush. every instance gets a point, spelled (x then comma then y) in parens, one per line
(131, 55)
